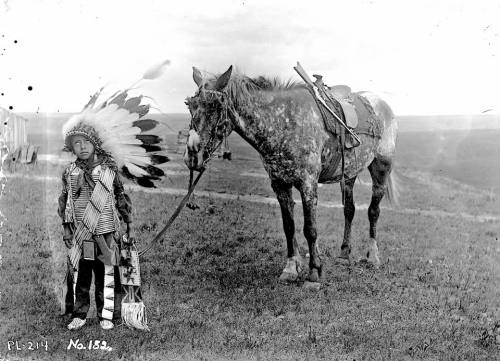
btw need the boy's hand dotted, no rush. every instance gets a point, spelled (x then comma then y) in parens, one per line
(68, 240)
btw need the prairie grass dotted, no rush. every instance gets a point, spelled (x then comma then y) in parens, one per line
(212, 292)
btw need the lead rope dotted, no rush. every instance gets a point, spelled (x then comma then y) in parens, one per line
(209, 183)
(181, 205)
(177, 211)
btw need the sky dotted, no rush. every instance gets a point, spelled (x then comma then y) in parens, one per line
(423, 57)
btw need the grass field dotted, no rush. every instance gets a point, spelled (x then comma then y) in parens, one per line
(211, 286)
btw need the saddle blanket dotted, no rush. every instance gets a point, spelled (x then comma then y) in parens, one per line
(353, 108)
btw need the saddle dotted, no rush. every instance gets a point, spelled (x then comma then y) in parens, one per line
(352, 108)
(343, 94)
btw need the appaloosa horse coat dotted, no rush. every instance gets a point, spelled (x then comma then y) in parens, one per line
(283, 123)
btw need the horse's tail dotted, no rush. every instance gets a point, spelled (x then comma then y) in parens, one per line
(393, 189)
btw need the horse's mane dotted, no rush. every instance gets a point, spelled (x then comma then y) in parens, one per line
(242, 88)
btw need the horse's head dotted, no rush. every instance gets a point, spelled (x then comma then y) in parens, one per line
(209, 109)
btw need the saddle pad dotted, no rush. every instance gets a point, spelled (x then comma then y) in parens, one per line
(368, 122)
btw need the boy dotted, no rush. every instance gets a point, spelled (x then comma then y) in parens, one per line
(91, 205)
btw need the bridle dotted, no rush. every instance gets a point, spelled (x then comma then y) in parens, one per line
(208, 97)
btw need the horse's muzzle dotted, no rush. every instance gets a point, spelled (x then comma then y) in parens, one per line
(193, 160)
(192, 153)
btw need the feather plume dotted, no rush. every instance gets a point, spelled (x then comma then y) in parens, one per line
(148, 138)
(135, 170)
(155, 172)
(119, 125)
(119, 99)
(151, 148)
(159, 159)
(142, 110)
(139, 160)
(132, 104)
(156, 70)
(93, 99)
(145, 124)
(145, 182)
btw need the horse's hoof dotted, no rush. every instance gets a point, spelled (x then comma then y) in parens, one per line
(314, 286)
(345, 252)
(288, 277)
(370, 262)
(371, 258)
(374, 265)
(300, 267)
(313, 276)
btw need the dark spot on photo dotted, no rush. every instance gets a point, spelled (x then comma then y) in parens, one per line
(30, 88)
(15, 41)
(11, 107)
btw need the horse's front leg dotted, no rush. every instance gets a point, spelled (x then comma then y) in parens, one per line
(349, 210)
(294, 263)
(309, 194)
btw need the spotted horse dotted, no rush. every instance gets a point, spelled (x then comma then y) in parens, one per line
(282, 121)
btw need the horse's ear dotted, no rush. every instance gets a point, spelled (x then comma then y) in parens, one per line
(197, 77)
(223, 79)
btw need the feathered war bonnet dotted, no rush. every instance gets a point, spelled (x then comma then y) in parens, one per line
(116, 128)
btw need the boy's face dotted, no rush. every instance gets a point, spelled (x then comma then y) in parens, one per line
(82, 147)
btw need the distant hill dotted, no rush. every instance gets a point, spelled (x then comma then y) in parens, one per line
(468, 156)
(416, 123)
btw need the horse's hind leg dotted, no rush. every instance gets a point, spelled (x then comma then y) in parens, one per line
(349, 210)
(294, 264)
(380, 170)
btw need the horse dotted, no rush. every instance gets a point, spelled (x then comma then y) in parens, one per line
(282, 121)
